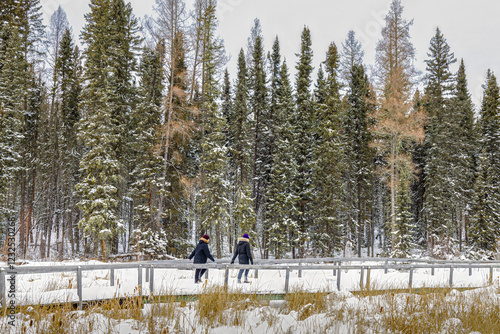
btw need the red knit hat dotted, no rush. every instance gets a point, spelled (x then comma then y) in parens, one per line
(205, 236)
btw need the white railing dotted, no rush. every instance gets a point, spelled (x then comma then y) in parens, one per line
(147, 269)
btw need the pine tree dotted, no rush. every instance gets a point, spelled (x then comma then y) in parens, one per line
(239, 128)
(148, 163)
(11, 117)
(259, 108)
(304, 120)
(109, 35)
(439, 183)
(329, 158)
(358, 151)
(213, 160)
(464, 139)
(352, 54)
(281, 211)
(70, 72)
(405, 231)
(485, 220)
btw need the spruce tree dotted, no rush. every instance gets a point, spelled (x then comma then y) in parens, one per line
(485, 222)
(405, 232)
(109, 35)
(259, 108)
(352, 54)
(68, 70)
(239, 128)
(281, 211)
(464, 139)
(11, 117)
(147, 162)
(214, 157)
(304, 120)
(358, 151)
(439, 183)
(328, 157)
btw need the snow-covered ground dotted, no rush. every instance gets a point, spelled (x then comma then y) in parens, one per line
(33, 289)
(61, 287)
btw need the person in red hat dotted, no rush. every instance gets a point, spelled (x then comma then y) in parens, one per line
(201, 253)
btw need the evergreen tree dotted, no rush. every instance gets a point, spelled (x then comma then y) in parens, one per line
(258, 103)
(109, 35)
(239, 129)
(352, 54)
(57, 167)
(405, 232)
(464, 139)
(281, 211)
(358, 151)
(11, 117)
(439, 183)
(329, 158)
(148, 163)
(485, 222)
(213, 160)
(304, 120)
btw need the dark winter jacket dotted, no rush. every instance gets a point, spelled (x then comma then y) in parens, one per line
(243, 251)
(201, 252)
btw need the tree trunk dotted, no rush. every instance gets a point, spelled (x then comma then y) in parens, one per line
(393, 193)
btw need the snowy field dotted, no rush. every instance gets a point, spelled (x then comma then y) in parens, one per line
(34, 289)
(61, 287)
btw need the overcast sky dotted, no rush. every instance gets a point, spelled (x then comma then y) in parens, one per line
(472, 28)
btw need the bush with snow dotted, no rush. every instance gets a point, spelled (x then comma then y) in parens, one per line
(149, 242)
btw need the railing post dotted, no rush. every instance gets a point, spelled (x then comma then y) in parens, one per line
(410, 279)
(338, 277)
(3, 299)
(147, 273)
(385, 266)
(491, 275)
(112, 277)
(256, 273)
(361, 279)
(432, 270)
(287, 279)
(139, 279)
(451, 276)
(368, 278)
(151, 280)
(226, 276)
(206, 274)
(79, 287)
(300, 272)
(334, 270)
(470, 270)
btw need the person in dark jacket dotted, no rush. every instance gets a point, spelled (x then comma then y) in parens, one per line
(200, 254)
(244, 256)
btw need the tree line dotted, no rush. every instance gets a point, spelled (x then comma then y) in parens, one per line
(143, 140)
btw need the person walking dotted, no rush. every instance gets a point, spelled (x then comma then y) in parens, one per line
(201, 253)
(244, 256)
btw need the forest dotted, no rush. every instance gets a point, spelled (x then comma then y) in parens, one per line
(131, 136)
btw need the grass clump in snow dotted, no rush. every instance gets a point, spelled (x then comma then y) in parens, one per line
(306, 303)
(218, 306)
(441, 312)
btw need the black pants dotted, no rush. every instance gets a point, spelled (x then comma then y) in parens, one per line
(198, 273)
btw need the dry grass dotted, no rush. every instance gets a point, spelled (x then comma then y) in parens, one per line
(307, 304)
(431, 311)
(445, 311)
(217, 306)
(60, 283)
